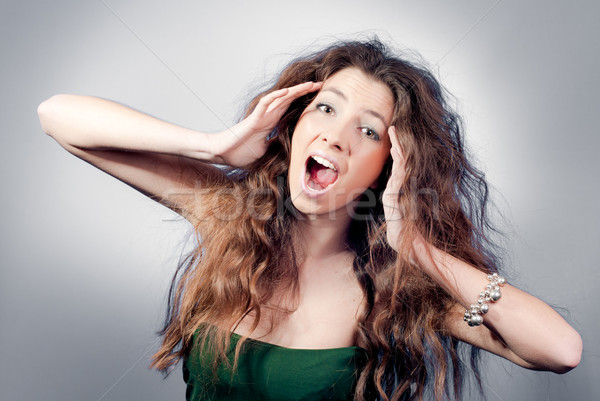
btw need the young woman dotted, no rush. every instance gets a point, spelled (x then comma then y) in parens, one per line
(345, 252)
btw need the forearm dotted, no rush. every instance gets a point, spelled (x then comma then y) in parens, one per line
(526, 326)
(93, 123)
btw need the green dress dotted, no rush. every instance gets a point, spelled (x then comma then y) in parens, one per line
(273, 373)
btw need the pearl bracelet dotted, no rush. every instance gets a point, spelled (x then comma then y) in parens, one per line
(491, 293)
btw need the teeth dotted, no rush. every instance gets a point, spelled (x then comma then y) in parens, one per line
(324, 162)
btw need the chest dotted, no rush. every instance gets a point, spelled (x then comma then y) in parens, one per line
(269, 372)
(323, 314)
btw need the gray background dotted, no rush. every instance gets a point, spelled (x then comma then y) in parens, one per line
(85, 261)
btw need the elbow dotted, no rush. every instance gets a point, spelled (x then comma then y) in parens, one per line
(559, 357)
(573, 357)
(569, 354)
(47, 111)
(44, 112)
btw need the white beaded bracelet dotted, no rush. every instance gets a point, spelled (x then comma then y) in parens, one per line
(491, 293)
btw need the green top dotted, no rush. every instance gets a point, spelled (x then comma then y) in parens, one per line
(274, 373)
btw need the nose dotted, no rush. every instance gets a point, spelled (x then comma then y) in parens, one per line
(332, 142)
(336, 137)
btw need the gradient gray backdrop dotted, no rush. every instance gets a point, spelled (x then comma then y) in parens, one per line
(85, 261)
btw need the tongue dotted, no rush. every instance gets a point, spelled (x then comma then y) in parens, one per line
(322, 175)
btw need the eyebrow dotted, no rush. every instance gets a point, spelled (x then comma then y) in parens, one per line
(368, 111)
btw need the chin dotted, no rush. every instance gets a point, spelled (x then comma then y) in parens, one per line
(306, 206)
(323, 208)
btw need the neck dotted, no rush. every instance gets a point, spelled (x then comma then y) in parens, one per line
(323, 236)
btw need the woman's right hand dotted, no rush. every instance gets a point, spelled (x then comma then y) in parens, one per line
(247, 141)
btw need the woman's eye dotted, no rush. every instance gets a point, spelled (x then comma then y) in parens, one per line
(369, 133)
(325, 108)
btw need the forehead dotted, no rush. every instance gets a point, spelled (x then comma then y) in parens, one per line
(356, 87)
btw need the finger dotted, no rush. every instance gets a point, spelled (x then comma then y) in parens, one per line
(278, 94)
(391, 206)
(267, 100)
(397, 178)
(393, 189)
(306, 87)
(396, 156)
(396, 151)
(395, 141)
(394, 183)
(398, 174)
(294, 93)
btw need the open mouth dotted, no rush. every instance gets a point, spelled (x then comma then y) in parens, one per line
(320, 174)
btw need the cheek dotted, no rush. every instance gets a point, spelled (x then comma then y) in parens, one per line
(295, 150)
(301, 138)
(297, 160)
(376, 159)
(373, 166)
(297, 135)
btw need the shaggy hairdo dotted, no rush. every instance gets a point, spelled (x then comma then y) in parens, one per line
(246, 253)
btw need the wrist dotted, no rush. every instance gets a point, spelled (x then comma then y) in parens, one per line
(199, 145)
(421, 250)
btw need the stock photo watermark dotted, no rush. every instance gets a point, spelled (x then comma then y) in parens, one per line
(361, 205)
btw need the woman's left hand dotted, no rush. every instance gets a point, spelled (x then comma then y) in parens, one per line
(390, 197)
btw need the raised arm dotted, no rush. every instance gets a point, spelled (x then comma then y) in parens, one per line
(519, 327)
(162, 160)
(138, 149)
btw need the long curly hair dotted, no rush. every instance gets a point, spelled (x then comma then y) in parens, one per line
(245, 225)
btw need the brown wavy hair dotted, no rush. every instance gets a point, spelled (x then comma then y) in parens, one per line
(245, 225)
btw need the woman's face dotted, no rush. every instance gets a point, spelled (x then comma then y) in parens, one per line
(340, 143)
